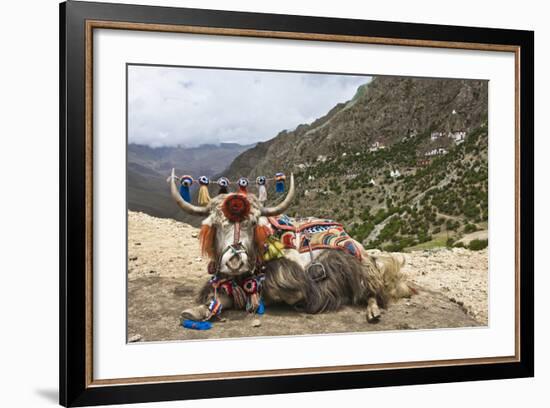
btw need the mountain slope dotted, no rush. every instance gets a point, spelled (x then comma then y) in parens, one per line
(432, 131)
(385, 110)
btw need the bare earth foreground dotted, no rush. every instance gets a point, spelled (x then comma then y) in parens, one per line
(165, 271)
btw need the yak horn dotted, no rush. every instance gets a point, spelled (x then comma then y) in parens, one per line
(279, 209)
(184, 205)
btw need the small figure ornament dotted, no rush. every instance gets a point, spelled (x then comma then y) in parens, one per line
(262, 190)
(186, 182)
(280, 182)
(204, 197)
(243, 185)
(223, 184)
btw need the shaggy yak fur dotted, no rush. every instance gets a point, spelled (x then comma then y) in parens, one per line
(348, 282)
(373, 281)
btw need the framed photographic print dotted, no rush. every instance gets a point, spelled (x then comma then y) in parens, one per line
(256, 203)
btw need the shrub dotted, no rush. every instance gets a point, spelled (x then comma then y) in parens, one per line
(452, 226)
(361, 231)
(396, 247)
(470, 228)
(380, 216)
(478, 244)
(423, 236)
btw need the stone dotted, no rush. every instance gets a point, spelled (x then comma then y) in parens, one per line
(135, 338)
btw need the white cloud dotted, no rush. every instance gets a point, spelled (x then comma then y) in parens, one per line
(193, 106)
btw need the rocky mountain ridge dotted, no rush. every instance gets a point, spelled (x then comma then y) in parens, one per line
(401, 164)
(382, 113)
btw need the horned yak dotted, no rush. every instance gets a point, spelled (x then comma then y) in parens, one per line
(260, 257)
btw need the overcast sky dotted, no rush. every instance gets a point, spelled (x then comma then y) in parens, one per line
(170, 106)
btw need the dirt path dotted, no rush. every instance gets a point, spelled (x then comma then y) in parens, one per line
(166, 270)
(481, 235)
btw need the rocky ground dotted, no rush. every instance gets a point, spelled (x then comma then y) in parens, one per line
(165, 271)
(459, 274)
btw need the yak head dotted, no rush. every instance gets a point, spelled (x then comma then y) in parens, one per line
(234, 228)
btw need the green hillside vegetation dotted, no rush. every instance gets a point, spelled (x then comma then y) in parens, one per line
(433, 205)
(391, 124)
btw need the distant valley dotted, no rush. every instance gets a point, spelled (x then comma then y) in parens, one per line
(148, 168)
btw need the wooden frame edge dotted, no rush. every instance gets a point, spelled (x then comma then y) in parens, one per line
(103, 24)
(232, 375)
(517, 197)
(290, 35)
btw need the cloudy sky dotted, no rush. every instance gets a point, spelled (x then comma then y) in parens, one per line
(170, 106)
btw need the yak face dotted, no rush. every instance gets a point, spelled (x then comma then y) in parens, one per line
(227, 234)
(234, 229)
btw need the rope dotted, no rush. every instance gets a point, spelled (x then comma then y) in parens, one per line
(236, 233)
(216, 182)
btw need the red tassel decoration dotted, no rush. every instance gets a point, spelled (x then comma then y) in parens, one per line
(236, 207)
(261, 233)
(207, 238)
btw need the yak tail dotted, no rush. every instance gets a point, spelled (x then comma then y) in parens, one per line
(395, 284)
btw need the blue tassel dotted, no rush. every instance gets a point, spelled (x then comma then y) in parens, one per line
(184, 192)
(280, 182)
(186, 182)
(261, 308)
(192, 324)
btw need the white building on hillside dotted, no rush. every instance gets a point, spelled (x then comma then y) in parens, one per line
(436, 152)
(458, 137)
(376, 146)
(436, 135)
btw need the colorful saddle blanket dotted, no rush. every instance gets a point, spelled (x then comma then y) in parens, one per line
(315, 233)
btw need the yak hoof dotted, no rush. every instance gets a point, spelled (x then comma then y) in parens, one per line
(195, 313)
(373, 312)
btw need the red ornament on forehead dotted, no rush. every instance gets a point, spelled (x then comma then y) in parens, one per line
(236, 207)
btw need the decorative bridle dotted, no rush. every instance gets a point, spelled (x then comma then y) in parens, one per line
(246, 292)
(236, 247)
(235, 208)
